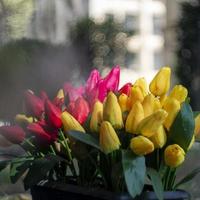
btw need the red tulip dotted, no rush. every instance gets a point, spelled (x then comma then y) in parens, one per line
(39, 132)
(125, 89)
(43, 96)
(14, 134)
(52, 114)
(79, 110)
(72, 92)
(34, 105)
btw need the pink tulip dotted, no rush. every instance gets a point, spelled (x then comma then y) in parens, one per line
(125, 89)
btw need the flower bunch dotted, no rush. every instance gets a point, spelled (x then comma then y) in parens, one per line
(105, 136)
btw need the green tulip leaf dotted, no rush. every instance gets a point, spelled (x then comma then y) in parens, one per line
(156, 182)
(134, 172)
(4, 164)
(188, 177)
(182, 130)
(85, 138)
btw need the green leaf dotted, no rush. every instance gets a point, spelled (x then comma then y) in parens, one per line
(182, 130)
(134, 172)
(156, 182)
(18, 169)
(85, 138)
(3, 164)
(195, 113)
(39, 169)
(188, 177)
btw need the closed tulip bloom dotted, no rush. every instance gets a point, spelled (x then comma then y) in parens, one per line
(109, 140)
(174, 155)
(52, 115)
(70, 123)
(141, 145)
(14, 134)
(197, 125)
(172, 106)
(125, 89)
(23, 119)
(38, 131)
(33, 104)
(141, 82)
(159, 139)
(96, 116)
(148, 105)
(162, 99)
(134, 117)
(149, 125)
(161, 82)
(179, 92)
(122, 99)
(136, 94)
(112, 111)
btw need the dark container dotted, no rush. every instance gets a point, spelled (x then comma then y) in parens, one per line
(73, 192)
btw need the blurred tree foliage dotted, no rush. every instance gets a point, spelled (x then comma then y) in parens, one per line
(104, 42)
(188, 69)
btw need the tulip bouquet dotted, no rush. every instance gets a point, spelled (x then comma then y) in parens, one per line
(100, 136)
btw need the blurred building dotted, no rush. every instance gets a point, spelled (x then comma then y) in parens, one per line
(148, 20)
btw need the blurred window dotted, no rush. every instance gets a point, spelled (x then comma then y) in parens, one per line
(131, 60)
(158, 59)
(158, 25)
(131, 22)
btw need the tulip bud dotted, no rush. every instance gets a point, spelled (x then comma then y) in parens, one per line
(163, 99)
(159, 139)
(112, 111)
(40, 133)
(157, 104)
(148, 105)
(174, 155)
(53, 115)
(142, 84)
(109, 140)
(34, 105)
(197, 125)
(141, 145)
(70, 123)
(96, 117)
(172, 106)
(149, 125)
(179, 93)
(161, 82)
(123, 98)
(14, 134)
(136, 95)
(134, 117)
(125, 89)
(23, 119)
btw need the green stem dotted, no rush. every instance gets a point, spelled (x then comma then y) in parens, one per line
(29, 143)
(52, 149)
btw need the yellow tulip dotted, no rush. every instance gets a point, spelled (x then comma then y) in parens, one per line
(149, 125)
(23, 119)
(162, 99)
(141, 145)
(174, 155)
(134, 117)
(141, 82)
(161, 82)
(172, 106)
(197, 125)
(96, 116)
(159, 139)
(179, 93)
(136, 95)
(123, 98)
(60, 94)
(70, 123)
(112, 111)
(108, 139)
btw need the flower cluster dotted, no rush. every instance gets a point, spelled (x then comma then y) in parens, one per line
(102, 125)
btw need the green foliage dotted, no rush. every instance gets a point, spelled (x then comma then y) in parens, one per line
(182, 130)
(134, 172)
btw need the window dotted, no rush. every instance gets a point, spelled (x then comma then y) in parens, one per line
(158, 23)
(131, 23)
(158, 59)
(131, 60)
